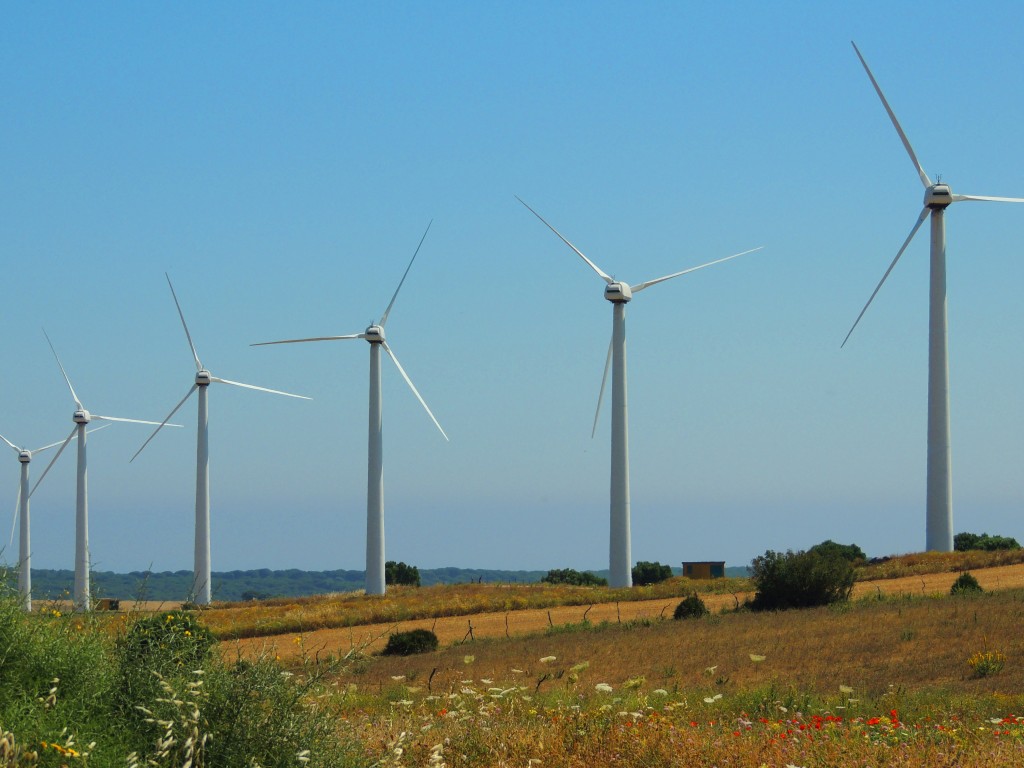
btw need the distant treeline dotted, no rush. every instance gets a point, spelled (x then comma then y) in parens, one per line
(174, 586)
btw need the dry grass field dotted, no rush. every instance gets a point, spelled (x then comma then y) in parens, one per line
(884, 680)
(494, 624)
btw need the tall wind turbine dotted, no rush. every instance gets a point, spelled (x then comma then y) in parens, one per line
(81, 417)
(937, 197)
(21, 516)
(201, 575)
(374, 335)
(620, 294)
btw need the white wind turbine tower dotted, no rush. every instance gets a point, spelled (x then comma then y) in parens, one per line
(937, 197)
(21, 517)
(374, 334)
(619, 294)
(201, 587)
(81, 417)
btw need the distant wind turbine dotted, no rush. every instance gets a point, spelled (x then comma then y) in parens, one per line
(374, 334)
(21, 515)
(619, 294)
(201, 588)
(937, 197)
(81, 417)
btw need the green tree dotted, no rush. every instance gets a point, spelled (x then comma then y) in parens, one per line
(574, 577)
(800, 580)
(401, 574)
(850, 552)
(650, 573)
(964, 542)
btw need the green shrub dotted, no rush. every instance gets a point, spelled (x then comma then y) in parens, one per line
(169, 644)
(964, 542)
(261, 716)
(650, 573)
(402, 574)
(691, 607)
(408, 643)
(63, 677)
(800, 580)
(966, 584)
(574, 577)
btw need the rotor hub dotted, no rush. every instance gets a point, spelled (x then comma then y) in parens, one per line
(24, 456)
(374, 334)
(203, 378)
(618, 293)
(938, 196)
(82, 416)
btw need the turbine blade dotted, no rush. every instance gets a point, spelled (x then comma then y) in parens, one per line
(917, 226)
(53, 445)
(14, 520)
(317, 338)
(260, 389)
(639, 287)
(604, 380)
(896, 123)
(593, 266)
(960, 198)
(199, 365)
(412, 386)
(129, 421)
(16, 448)
(384, 317)
(54, 459)
(73, 395)
(169, 415)
(73, 437)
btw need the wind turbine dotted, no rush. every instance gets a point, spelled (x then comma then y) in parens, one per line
(937, 197)
(620, 294)
(21, 515)
(374, 335)
(81, 417)
(201, 592)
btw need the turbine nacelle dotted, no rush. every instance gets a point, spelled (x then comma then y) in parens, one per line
(24, 456)
(374, 334)
(203, 378)
(938, 196)
(82, 416)
(618, 293)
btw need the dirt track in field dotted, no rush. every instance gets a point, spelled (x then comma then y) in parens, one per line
(452, 629)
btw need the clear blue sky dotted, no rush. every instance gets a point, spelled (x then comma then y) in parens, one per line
(282, 161)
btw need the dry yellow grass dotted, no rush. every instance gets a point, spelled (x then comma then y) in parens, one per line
(451, 629)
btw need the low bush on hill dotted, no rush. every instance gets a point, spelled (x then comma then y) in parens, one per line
(408, 643)
(966, 584)
(691, 607)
